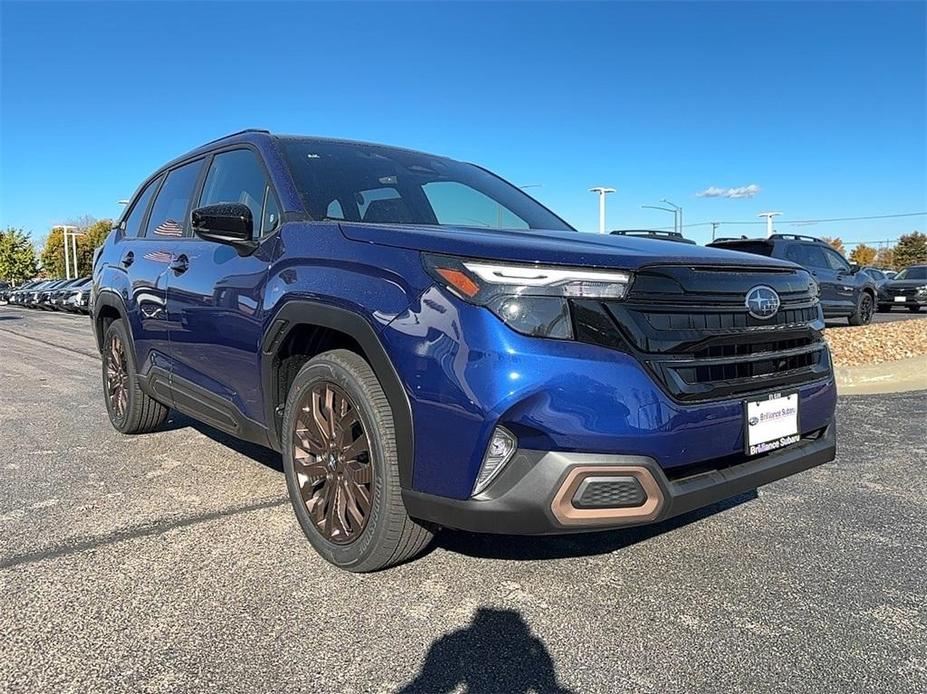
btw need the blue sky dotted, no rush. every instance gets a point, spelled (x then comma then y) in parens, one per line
(822, 106)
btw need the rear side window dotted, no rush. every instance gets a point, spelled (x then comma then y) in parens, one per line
(237, 176)
(168, 215)
(754, 247)
(134, 220)
(806, 255)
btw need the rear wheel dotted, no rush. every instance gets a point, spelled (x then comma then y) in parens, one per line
(342, 469)
(130, 410)
(864, 310)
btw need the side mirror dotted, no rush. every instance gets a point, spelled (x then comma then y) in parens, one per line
(226, 222)
(854, 268)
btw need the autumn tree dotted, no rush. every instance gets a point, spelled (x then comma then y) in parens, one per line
(17, 256)
(834, 242)
(885, 257)
(92, 233)
(863, 255)
(910, 249)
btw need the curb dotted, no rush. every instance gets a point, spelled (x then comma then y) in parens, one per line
(898, 376)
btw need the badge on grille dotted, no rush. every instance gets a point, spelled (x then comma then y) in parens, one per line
(762, 302)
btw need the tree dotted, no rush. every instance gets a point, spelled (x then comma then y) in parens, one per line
(863, 255)
(17, 256)
(911, 249)
(92, 234)
(885, 257)
(834, 242)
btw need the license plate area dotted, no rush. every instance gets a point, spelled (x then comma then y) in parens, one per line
(770, 423)
(899, 299)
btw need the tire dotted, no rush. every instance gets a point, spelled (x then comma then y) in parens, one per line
(885, 308)
(914, 309)
(864, 309)
(130, 410)
(320, 479)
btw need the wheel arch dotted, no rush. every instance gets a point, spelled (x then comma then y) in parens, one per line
(107, 307)
(311, 328)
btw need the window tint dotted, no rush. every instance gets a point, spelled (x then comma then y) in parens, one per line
(134, 220)
(915, 272)
(168, 215)
(835, 260)
(455, 203)
(237, 176)
(806, 255)
(877, 275)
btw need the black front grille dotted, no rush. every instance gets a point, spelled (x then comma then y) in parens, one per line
(692, 329)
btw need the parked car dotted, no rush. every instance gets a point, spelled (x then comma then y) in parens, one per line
(845, 292)
(659, 234)
(76, 298)
(15, 296)
(58, 296)
(877, 274)
(428, 346)
(907, 289)
(30, 298)
(43, 296)
(5, 290)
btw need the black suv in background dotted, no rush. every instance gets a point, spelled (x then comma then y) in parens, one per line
(907, 289)
(845, 291)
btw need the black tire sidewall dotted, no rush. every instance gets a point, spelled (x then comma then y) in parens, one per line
(326, 369)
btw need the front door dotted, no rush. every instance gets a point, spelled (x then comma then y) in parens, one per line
(215, 300)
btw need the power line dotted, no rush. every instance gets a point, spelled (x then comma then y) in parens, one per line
(812, 221)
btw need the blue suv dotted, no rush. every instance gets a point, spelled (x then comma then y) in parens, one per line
(427, 346)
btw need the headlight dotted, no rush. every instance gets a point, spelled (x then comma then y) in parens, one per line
(532, 299)
(815, 289)
(922, 290)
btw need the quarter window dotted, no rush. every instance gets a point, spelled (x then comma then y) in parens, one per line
(237, 176)
(169, 213)
(134, 220)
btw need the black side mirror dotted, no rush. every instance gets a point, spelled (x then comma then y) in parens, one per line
(230, 223)
(854, 268)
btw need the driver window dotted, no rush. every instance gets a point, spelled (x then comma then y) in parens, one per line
(237, 176)
(836, 261)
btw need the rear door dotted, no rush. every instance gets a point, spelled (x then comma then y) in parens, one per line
(811, 257)
(215, 299)
(148, 257)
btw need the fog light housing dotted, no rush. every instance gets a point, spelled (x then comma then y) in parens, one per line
(499, 452)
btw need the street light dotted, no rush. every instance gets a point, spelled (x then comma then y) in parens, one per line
(677, 209)
(769, 217)
(67, 258)
(665, 209)
(602, 193)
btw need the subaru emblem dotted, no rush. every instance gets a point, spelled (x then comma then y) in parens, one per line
(762, 302)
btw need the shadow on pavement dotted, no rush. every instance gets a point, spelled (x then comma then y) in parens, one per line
(260, 454)
(532, 548)
(11, 317)
(496, 652)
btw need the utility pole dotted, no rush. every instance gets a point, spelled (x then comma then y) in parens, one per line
(602, 193)
(665, 209)
(678, 211)
(769, 224)
(714, 228)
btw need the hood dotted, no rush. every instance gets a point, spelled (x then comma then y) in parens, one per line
(553, 247)
(904, 284)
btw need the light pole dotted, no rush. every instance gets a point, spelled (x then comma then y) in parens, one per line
(769, 217)
(665, 209)
(602, 193)
(678, 209)
(67, 257)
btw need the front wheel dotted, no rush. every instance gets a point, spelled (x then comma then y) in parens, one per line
(864, 309)
(130, 410)
(342, 469)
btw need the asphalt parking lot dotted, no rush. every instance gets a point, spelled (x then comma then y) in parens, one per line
(889, 317)
(172, 562)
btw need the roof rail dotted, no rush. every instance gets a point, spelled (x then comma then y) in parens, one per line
(798, 237)
(646, 232)
(735, 238)
(240, 132)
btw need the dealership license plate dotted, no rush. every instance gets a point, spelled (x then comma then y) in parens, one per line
(899, 299)
(771, 423)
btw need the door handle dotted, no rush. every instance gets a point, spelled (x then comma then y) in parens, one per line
(128, 259)
(180, 264)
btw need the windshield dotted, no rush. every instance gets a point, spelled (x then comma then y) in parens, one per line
(381, 185)
(912, 273)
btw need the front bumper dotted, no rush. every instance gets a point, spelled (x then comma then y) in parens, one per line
(535, 494)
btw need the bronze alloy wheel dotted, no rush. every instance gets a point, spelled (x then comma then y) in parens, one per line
(117, 378)
(333, 464)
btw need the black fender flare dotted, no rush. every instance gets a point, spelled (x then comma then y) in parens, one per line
(298, 312)
(108, 297)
